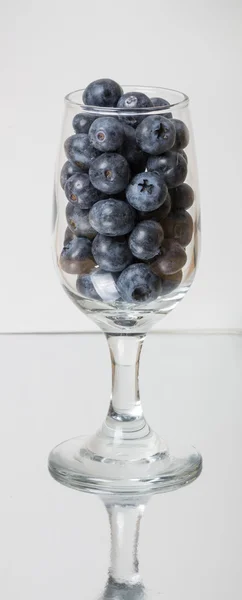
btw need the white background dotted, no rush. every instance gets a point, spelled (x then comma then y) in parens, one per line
(49, 48)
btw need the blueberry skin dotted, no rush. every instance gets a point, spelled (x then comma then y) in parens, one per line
(133, 100)
(172, 165)
(146, 191)
(106, 134)
(69, 235)
(156, 134)
(161, 103)
(158, 214)
(182, 134)
(184, 155)
(137, 284)
(78, 221)
(112, 217)
(179, 226)
(67, 171)
(102, 92)
(131, 151)
(76, 256)
(79, 150)
(171, 259)
(82, 123)
(109, 173)
(79, 190)
(146, 239)
(111, 254)
(182, 196)
(86, 288)
(171, 282)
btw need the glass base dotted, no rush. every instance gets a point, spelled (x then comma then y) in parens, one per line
(75, 463)
(121, 591)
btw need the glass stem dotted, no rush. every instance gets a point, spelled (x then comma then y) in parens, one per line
(125, 411)
(125, 525)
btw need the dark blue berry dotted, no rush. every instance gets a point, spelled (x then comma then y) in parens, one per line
(69, 235)
(111, 254)
(146, 239)
(147, 191)
(76, 256)
(161, 103)
(82, 123)
(86, 288)
(172, 258)
(172, 165)
(131, 151)
(109, 173)
(182, 134)
(79, 190)
(184, 155)
(112, 217)
(67, 171)
(179, 226)
(156, 134)
(79, 150)
(78, 221)
(171, 282)
(106, 134)
(137, 284)
(133, 101)
(182, 196)
(158, 214)
(102, 92)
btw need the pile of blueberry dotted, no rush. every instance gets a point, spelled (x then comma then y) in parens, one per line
(124, 181)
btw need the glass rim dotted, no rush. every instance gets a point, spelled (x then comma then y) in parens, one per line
(181, 103)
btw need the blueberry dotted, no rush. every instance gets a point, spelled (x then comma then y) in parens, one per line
(79, 190)
(133, 100)
(182, 134)
(179, 225)
(182, 196)
(102, 92)
(105, 284)
(171, 282)
(172, 165)
(111, 254)
(146, 191)
(146, 239)
(106, 134)
(158, 214)
(78, 221)
(131, 151)
(86, 288)
(171, 259)
(161, 103)
(156, 134)
(76, 256)
(69, 235)
(79, 150)
(67, 171)
(82, 123)
(184, 155)
(138, 284)
(109, 173)
(112, 217)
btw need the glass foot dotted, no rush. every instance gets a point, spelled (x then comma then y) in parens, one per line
(75, 463)
(121, 591)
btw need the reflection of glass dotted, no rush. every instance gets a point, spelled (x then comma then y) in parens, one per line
(125, 462)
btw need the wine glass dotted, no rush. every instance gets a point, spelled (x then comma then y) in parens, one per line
(126, 233)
